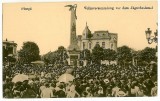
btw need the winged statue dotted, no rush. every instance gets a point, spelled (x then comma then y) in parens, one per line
(72, 7)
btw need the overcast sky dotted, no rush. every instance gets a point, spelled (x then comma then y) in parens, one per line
(48, 24)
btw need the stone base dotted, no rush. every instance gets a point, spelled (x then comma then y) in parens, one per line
(74, 56)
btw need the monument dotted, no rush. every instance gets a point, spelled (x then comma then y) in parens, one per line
(73, 49)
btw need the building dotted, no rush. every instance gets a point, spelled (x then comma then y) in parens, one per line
(9, 49)
(104, 38)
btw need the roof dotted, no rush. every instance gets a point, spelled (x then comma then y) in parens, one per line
(101, 31)
(86, 31)
(9, 42)
(101, 35)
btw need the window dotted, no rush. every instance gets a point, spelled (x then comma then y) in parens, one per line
(89, 45)
(83, 45)
(10, 50)
(97, 42)
(103, 44)
(112, 46)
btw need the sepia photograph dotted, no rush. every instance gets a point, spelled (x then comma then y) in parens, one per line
(79, 49)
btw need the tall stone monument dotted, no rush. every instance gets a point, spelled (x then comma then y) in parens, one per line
(73, 48)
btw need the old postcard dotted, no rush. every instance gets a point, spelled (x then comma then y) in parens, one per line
(80, 49)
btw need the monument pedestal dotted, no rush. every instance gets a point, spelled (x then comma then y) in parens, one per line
(74, 56)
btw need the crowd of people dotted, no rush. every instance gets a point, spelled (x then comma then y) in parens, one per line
(89, 81)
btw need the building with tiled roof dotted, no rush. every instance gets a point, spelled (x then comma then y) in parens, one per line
(102, 37)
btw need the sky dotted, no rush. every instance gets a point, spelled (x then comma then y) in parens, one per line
(48, 24)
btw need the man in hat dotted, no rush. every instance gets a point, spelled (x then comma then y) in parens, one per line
(29, 93)
(60, 93)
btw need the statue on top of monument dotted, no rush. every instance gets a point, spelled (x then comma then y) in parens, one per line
(72, 7)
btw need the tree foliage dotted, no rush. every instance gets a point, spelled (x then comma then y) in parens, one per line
(58, 56)
(62, 53)
(97, 54)
(124, 54)
(29, 52)
(109, 55)
(147, 55)
(50, 57)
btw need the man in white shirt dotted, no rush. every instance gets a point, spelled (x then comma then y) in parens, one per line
(47, 92)
(42, 87)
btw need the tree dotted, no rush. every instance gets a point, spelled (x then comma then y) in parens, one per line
(85, 55)
(109, 55)
(97, 54)
(62, 54)
(147, 55)
(124, 55)
(29, 52)
(58, 56)
(50, 57)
